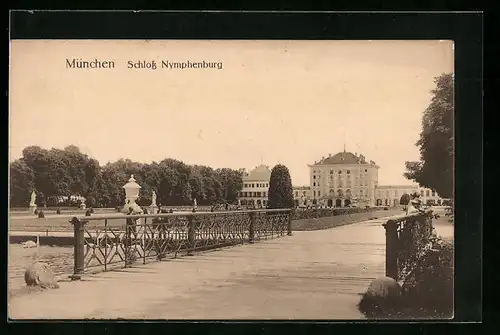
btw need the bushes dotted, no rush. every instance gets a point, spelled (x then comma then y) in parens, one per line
(430, 288)
(426, 293)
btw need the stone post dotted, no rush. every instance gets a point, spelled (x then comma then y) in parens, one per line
(79, 248)
(251, 228)
(191, 234)
(289, 225)
(391, 249)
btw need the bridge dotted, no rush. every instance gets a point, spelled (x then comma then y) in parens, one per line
(309, 275)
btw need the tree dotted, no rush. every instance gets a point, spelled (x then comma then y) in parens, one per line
(435, 168)
(405, 199)
(280, 188)
(22, 182)
(90, 201)
(41, 200)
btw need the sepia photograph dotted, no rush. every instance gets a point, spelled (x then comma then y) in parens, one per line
(231, 179)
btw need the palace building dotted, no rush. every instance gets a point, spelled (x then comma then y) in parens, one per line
(346, 179)
(391, 195)
(255, 186)
(343, 179)
(301, 195)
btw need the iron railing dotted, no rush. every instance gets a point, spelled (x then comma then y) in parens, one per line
(407, 239)
(104, 242)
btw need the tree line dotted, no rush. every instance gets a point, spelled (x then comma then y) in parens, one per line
(54, 173)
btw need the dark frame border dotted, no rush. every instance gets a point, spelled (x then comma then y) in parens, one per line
(466, 29)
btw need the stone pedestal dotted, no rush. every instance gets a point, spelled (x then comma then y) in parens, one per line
(136, 209)
(32, 209)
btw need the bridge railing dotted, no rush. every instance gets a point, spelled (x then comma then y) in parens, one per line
(104, 242)
(407, 239)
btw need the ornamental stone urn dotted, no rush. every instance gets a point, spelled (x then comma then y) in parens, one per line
(131, 195)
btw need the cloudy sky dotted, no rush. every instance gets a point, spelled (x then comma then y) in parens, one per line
(288, 102)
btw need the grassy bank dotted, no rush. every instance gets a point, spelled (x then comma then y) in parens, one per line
(339, 220)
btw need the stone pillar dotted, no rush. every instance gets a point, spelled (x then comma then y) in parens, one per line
(391, 249)
(79, 248)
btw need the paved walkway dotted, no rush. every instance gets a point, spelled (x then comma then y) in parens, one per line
(310, 275)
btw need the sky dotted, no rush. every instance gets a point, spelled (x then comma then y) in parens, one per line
(286, 102)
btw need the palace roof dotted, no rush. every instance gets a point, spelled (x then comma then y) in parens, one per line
(260, 173)
(342, 158)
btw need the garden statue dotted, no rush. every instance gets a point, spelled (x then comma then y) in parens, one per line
(153, 199)
(414, 206)
(153, 207)
(33, 199)
(33, 203)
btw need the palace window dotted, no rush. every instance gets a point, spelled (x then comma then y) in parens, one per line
(314, 184)
(340, 171)
(366, 170)
(348, 171)
(314, 177)
(319, 193)
(427, 193)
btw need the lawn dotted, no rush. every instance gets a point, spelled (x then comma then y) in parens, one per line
(338, 220)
